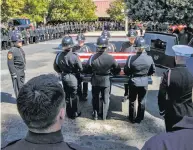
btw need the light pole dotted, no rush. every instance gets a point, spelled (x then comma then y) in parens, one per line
(125, 12)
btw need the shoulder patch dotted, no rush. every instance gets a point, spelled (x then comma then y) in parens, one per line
(10, 55)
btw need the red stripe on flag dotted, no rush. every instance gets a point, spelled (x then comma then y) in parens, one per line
(116, 57)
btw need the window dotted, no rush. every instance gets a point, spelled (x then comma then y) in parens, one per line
(158, 44)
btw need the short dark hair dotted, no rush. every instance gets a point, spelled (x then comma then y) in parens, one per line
(39, 101)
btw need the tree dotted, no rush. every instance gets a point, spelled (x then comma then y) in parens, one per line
(11, 9)
(35, 9)
(162, 10)
(74, 10)
(115, 10)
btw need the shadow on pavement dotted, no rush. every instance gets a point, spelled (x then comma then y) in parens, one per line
(7, 98)
(105, 142)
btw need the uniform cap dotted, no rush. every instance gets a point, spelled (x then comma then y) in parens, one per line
(67, 42)
(102, 42)
(140, 42)
(183, 50)
(16, 37)
(80, 37)
(132, 33)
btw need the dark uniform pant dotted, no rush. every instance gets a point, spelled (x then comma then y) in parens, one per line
(126, 89)
(72, 100)
(141, 93)
(104, 91)
(82, 93)
(18, 82)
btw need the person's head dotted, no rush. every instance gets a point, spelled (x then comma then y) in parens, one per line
(140, 44)
(17, 39)
(182, 53)
(132, 34)
(67, 43)
(106, 34)
(81, 39)
(41, 104)
(102, 43)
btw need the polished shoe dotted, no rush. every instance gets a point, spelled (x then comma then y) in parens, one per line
(95, 115)
(84, 98)
(76, 115)
(137, 120)
(125, 98)
(132, 121)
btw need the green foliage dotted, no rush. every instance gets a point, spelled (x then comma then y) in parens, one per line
(11, 9)
(74, 10)
(162, 10)
(115, 10)
(37, 10)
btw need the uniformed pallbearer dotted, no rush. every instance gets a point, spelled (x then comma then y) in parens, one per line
(101, 65)
(82, 48)
(138, 67)
(111, 46)
(175, 93)
(128, 47)
(68, 65)
(16, 62)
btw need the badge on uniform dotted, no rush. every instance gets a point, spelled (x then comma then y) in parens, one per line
(10, 55)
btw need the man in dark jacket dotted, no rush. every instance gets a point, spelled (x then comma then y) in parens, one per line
(41, 104)
(101, 65)
(179, 139)
(138, 67)
(82, 48)
(128, 47)
(69, 65)
(175, 93)
(175, 102)
(16, 62)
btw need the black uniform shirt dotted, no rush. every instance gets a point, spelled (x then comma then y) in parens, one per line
(81, 49)
(16, 60)
(176, 92)
(101, 65)
(180, 139)
(67, 62)
(139, 67)
(111, 48)
(127, 47)
(44, 141)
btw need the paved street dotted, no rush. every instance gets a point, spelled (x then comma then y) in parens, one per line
(115, 133)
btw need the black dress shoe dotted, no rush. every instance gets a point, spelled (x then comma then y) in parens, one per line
(137, 120)
(95, 115)
(84, 98)
(132, 120)
(125, 98)
(76, 115)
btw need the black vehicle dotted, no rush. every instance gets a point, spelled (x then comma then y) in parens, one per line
(161, 48)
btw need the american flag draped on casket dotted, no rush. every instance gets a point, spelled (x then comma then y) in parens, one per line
(121, 58)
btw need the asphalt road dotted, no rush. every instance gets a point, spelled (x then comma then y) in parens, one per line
(115, 133)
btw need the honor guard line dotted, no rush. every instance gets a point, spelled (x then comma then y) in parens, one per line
(121, 58)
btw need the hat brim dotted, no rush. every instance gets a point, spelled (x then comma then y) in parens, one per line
(131, 35)
(183, 50)
(67, 47)
(100, 46)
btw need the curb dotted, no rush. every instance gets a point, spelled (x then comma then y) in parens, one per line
(113, 36)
